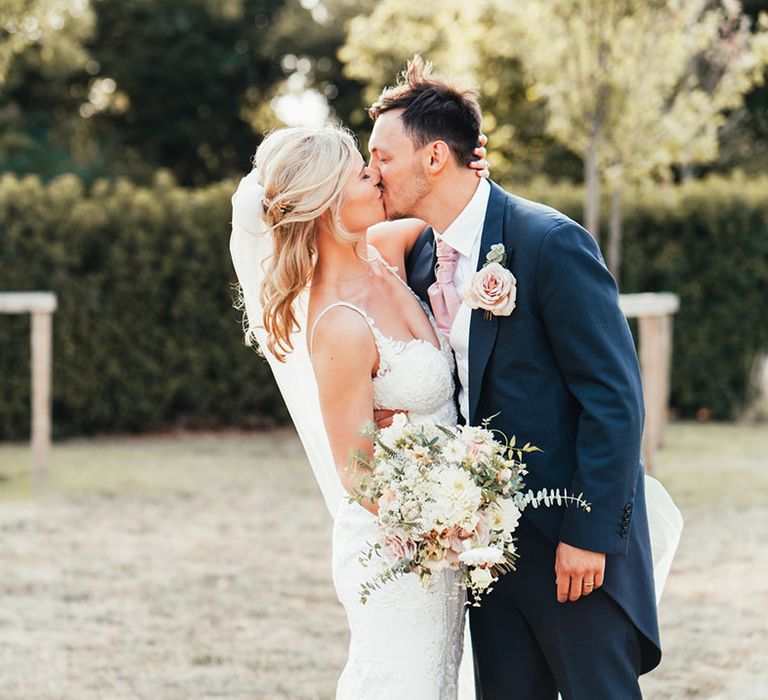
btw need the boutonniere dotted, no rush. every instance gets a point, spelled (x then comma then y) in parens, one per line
(493, 287)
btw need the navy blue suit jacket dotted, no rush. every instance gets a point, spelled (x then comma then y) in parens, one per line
(561, 372)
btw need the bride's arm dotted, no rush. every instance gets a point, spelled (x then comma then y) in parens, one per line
(344, 359)
(394, 239)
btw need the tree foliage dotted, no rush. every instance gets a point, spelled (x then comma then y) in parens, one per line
(465, 41)
(633, 87)
(188, 87)
(59, 27)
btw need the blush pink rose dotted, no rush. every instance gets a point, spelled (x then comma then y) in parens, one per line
(397, 548)
(483, 528)
(454, 538)
(493, 289)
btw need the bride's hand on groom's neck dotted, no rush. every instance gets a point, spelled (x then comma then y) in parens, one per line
(480, 165)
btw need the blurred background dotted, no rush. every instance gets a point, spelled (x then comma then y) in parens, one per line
(125, 126)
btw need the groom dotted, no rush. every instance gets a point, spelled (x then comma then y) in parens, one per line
(559, 371)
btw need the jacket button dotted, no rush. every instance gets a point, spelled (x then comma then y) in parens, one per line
(624, 532)
(628, 508)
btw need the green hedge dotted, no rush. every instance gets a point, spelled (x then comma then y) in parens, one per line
(146, 336)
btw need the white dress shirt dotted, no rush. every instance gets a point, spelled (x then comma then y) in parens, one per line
(464, 236)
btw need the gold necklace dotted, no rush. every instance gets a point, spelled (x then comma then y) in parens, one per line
(342, 279)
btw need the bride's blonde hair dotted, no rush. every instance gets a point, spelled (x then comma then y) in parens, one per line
(303, 172)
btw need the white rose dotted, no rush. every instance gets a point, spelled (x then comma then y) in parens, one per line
(481, 578)
(411, 511)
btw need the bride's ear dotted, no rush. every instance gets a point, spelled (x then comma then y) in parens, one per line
(439, 156)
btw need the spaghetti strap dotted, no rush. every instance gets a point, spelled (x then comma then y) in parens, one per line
(346, 304)
(395, 271)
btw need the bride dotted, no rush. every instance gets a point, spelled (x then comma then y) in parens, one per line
(328, 292)
(327, 303)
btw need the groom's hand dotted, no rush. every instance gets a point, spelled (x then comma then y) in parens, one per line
(383, 417)
(579, 572)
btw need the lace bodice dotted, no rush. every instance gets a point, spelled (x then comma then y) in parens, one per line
(413, 375)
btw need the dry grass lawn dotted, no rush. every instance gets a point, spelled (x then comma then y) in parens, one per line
(186, 567)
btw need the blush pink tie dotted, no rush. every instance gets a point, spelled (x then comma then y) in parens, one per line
(443, 297)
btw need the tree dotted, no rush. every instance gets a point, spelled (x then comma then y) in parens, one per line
(466, 41)
(184, 86)
(631, 86)
(636, 86)
(60, 26)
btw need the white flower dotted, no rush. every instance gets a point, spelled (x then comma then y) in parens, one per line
(480, 437)
(496, 254)
(455, 452)
(411, 511)
(451, 498)
(394, 432)
(386, 468)
(429, 430)
(504, 515)
(482, 556)
(481, 578)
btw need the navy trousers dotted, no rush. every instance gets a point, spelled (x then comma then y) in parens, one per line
(527, 646)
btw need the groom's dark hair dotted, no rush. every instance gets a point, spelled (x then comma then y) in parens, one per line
(433, 109)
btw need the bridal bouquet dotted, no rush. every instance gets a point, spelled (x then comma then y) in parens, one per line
(448, 498)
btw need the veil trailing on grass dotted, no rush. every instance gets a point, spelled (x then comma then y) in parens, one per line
(251, 246)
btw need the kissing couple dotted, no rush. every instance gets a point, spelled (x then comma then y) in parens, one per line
(366, 287)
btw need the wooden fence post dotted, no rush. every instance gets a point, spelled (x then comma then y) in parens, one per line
(41, 306)
(42, 351)
(654, 313)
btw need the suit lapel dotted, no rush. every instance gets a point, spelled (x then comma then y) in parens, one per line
(482, 331)
(420, 264)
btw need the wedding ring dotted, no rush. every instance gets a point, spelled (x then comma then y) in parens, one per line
(589, 584)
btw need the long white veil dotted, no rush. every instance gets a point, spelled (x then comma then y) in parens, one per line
(250, 245)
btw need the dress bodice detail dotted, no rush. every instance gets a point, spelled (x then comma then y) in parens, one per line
(413, 375)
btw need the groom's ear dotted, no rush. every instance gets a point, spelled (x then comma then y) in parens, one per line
(438, 156)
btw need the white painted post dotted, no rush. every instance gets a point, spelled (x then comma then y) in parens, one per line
(41, 306)
(654, 313)
(42, 346)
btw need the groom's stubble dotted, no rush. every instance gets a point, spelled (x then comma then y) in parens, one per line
(403, 201)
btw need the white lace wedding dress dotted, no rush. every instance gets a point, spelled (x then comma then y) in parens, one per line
(405, 642)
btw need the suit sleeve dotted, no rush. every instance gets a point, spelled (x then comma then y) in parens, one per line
(590, 337)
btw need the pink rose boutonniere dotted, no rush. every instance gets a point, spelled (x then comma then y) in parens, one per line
(493, 288)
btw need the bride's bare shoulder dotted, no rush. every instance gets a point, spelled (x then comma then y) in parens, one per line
(394, 239)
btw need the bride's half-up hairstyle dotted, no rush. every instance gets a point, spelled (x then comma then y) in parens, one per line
(303, 172)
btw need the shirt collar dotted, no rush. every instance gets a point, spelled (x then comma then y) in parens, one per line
(466, 227)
